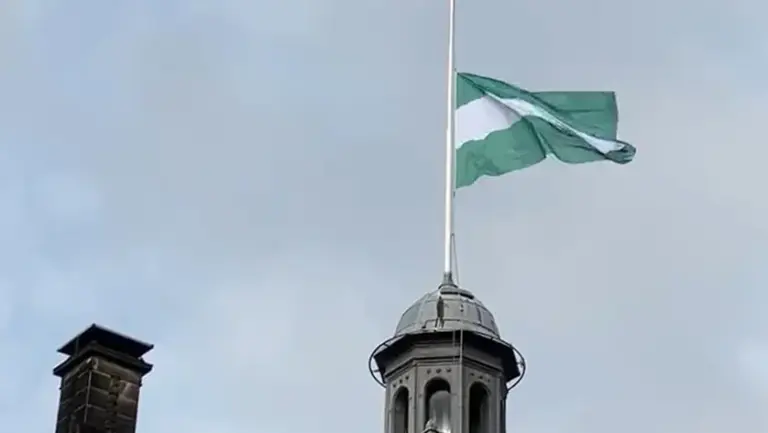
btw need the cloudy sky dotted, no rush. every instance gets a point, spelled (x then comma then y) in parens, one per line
(255, 187)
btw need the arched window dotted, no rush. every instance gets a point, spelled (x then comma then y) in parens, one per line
(479, 409)
(400, 411)
(437, 399)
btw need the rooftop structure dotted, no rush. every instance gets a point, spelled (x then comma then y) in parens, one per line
(100, 382)
(446, 368)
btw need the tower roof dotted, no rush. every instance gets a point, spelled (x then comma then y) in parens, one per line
(420, 326)
(462, 311)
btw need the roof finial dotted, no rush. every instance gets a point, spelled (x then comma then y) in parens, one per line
(446, 284)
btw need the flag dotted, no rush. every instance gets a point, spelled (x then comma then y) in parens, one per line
(501, 128)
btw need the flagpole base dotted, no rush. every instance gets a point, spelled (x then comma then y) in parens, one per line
(447, 283)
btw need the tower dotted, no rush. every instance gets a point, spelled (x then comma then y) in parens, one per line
(450, 375)
(100, 382)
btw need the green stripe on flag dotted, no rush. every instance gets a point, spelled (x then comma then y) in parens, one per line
(501, 128)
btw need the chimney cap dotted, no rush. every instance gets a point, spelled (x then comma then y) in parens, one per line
(107, 338)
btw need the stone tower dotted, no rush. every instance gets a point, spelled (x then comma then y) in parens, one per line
(100, 382)
(449, 376)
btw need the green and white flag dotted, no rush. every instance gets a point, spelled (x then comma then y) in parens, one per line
(501, 128)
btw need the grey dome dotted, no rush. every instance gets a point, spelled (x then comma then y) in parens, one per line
(462, 311)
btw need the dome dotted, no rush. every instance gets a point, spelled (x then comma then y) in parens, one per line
(462, 311)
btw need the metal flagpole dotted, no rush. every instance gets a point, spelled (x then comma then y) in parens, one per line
(450, 150)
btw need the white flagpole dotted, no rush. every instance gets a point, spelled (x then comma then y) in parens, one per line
(450, 150)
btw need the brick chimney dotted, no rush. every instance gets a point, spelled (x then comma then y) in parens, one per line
(100, 382)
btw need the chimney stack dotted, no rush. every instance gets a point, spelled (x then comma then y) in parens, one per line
(100, 382)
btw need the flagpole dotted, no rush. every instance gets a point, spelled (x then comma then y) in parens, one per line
(450, 150)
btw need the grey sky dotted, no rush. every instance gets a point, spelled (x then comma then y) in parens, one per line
(256, 189)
